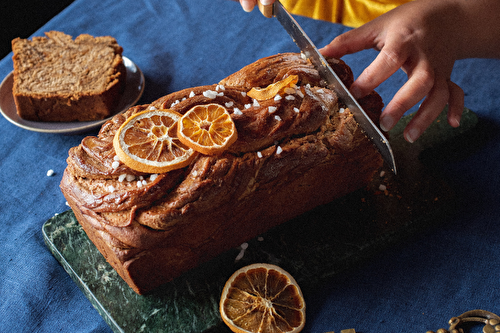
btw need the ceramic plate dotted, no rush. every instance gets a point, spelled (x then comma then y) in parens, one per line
(133, 91)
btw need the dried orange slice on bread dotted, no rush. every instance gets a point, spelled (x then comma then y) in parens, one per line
(148, 142)
(262, 298)
(273, 89)
(207, 129)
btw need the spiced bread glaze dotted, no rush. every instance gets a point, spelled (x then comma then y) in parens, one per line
(58, 78)
(153, 228)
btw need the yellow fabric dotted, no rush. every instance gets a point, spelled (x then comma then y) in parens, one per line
(352, 13)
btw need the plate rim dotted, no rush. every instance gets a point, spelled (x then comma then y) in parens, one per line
(133, 72)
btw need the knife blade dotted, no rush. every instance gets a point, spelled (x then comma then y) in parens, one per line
(307, 47)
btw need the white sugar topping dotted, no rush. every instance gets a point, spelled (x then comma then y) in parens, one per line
(50, 173)
(210, 94)
(229, 104)
(272, 109)
(279, 150)
(237, 111)
(115, 164)
(290, 98)
(121, 178)
(296, 110)
(278, 118)
(192, 94)
(277, 97)
(153, 177)
(259, 154)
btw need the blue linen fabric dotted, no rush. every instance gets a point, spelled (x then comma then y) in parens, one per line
(413, 286)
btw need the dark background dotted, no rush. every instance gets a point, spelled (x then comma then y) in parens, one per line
(21, 18)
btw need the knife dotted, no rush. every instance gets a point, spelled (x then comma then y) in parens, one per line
(311, 52)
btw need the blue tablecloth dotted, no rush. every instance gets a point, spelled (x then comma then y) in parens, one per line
(414, 286)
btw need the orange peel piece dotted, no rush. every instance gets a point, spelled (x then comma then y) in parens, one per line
(273, 89)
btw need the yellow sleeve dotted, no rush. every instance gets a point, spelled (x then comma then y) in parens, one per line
(352, 13)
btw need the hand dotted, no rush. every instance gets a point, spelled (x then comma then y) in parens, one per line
(248, 5)
(421, 37)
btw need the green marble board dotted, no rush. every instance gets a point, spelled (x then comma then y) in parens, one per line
(313, 247)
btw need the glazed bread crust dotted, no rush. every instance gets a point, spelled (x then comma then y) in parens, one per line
(305, 153)
(60, 79)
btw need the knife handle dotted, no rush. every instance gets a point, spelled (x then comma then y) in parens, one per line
(267, 10)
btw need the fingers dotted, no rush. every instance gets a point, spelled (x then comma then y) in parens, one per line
(455, 104)
(387, 62)
(443, 92)
(419, 84)
(429, 110)
(248, 5)
(352, 41)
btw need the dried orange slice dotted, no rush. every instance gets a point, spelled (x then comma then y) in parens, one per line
(207, 129)
(148, 142)
(273, 89)
(262, 298)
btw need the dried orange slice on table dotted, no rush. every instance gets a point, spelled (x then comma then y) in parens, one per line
(148, 142)
(207, 129)
(262, 298)
(273, 89)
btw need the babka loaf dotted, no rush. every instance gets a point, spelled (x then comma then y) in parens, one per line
(307, 152)
(60, 79)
